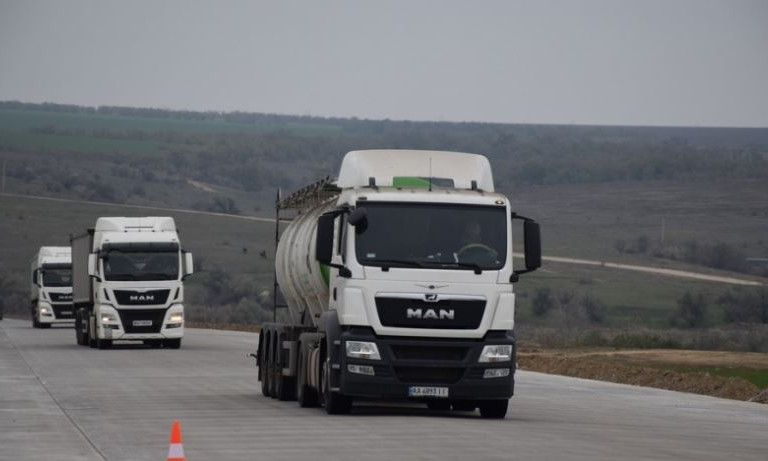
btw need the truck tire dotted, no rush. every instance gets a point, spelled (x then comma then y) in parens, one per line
(35, 324)
(335, 403)
(493, 409)
(306, 396)
(174, 343)
(44, 325)
(79, 329)
(263, 369)
(89, 334)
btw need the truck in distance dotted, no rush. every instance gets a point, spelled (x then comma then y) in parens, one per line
(51, 287)
(128, 285)
(398, 279)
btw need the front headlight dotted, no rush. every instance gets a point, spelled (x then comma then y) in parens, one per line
(45, 311)
(176, 318)
(362, 350)
(108, 318)
(499, 353)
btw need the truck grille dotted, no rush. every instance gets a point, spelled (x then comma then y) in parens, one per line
(60, 297)
(141, 298)
(403, 352)
(142, 316)
(455, 314)
(429, 375)
(59, 309)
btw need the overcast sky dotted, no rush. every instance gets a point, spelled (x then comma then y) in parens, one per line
(585, 62)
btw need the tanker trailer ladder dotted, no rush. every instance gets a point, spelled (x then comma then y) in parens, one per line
(277, 354)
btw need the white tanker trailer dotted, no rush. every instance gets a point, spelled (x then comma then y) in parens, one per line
(398, 283)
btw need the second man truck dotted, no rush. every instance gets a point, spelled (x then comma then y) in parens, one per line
(128, 284)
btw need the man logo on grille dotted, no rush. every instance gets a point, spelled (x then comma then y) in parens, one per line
(142, 298)
(430, 297)
(430, 314)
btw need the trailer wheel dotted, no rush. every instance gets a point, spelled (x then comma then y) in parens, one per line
(263, 369)
(335, 403)
(306, 396)
(493, 409)
(274, 368)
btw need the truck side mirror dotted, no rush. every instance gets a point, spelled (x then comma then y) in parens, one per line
(532, 236)
(324, 238)
(358, 217)
(532, 243)
(189, 267)
(93, 266)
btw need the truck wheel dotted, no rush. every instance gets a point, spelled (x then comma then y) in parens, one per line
(44, 325)
(34, 320)
(335, 403)
(172, 343)
(89, 335)
(493, 409)
(264, 369)
(306, 396)
(79, 329)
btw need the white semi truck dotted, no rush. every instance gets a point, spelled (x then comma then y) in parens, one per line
(398, 279)
(128, 282)
(51, 287)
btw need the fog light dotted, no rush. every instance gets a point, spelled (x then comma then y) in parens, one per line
(496, 373)
(499, 353)
(361, 369)
(173, 325)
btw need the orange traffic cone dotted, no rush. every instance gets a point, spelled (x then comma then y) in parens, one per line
(176, 450)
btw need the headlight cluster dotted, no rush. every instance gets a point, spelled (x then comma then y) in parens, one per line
(498, 353)
(362, 350)
(108, 318)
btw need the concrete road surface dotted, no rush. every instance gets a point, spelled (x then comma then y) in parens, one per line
(60, 401)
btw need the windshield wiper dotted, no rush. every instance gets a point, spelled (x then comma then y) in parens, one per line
(386, 263)
(475, 267)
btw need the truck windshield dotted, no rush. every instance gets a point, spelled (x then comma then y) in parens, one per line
(57, 277)
(141, 265)
(432, 235)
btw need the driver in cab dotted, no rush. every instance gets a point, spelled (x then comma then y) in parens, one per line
(471, 248)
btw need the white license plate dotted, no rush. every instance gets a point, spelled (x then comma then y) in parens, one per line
(424, 391)
(65, 312)
(142, 323)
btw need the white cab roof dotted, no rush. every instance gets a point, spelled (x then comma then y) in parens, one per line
(143, 224)
(385, 165)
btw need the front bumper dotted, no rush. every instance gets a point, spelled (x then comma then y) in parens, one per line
(417, 362)
(125, 324)
(57, 313)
